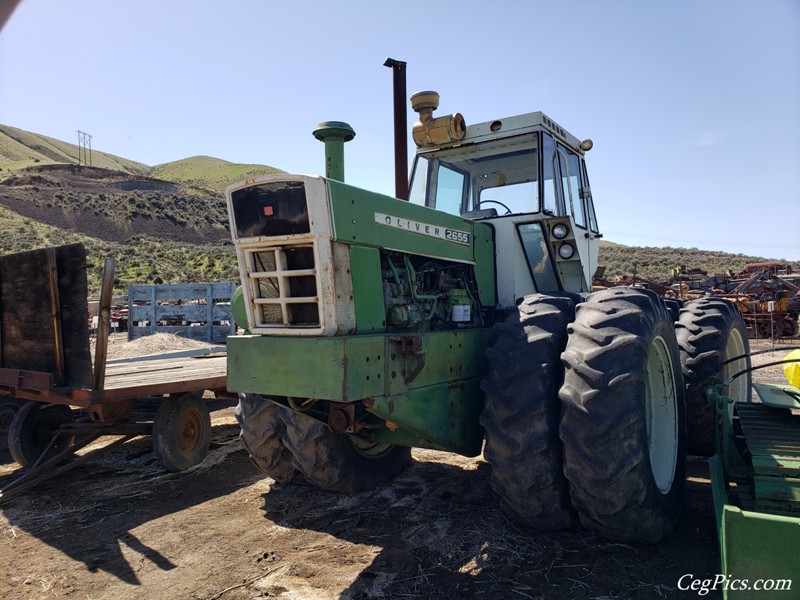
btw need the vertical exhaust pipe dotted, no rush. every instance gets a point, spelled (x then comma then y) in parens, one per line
(400, 123)
(334, 134)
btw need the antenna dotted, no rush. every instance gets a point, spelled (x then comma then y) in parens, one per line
(84, 148)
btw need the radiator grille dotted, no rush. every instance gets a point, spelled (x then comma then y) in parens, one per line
(285, 284)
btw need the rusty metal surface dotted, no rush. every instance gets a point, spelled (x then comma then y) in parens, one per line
(19, 378)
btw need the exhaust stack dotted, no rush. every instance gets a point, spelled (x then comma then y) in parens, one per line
(435, 131)
(400, 123)
(334, 134)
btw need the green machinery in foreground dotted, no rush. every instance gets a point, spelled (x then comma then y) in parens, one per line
(462, 320)
(755, 478)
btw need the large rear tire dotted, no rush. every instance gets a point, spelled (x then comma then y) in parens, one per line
(522, 412)
(710, 331)
(622, 420)
(262, 432)
(340, 462)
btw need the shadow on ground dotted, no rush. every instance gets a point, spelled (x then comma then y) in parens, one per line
(88, 513)
(442, 535)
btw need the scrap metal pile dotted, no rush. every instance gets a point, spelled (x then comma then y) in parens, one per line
(767, 294)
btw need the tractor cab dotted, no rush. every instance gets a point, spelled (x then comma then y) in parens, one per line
(523, 176)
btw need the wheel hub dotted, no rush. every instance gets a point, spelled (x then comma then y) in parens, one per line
(190, 428)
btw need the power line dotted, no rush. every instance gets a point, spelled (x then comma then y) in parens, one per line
(84, 148)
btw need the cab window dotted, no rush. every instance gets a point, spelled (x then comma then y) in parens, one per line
(540, 264)
(589, 203)
(571, 184)
(419, 180)
(438, 185)
(451, 186)
(553, 192)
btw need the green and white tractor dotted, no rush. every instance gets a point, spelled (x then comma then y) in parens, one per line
(463, 320)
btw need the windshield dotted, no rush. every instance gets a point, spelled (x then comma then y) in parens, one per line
(503, 176)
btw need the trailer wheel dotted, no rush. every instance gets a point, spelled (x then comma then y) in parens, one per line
(262, 431)
(8, 408)
(622, 420)
(340, 462)
(710, 331)
(522, 412)
(33, 427)
(181, 432)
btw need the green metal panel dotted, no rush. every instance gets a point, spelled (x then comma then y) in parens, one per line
(484, 265)
(427, 385)
(778, 396)
(331, 368)
(442, 416)
(353, 367)
(753, 545)
(759, 546)
(365, 265)
(407, 227)
(443, 356)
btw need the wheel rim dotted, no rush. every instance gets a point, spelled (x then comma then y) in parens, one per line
(738, 389)
(370, 449)
(190, 431)
(661, 415)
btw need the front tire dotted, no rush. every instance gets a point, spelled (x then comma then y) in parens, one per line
(622, 420)
(340, 462)
(522, 412)
(710, 331)
(262, 433)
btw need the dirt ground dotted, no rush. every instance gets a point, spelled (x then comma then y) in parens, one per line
(121, 528)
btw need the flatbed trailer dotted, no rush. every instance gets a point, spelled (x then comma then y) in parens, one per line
(46, 371)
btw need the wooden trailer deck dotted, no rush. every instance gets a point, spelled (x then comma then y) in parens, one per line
(46, 369)
(205, 371)
(156, 376)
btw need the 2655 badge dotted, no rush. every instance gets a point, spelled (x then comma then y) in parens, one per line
(460, 237)
(451, 235)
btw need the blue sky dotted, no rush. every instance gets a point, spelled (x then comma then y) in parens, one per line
(693, 106)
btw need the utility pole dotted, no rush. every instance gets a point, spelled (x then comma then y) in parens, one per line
(84, 148)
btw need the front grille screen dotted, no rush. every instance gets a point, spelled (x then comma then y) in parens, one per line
(271, 314)
(270, 209)
(264, 261)
(285, 286)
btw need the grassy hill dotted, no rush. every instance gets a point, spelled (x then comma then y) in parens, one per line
(20, 149)
(210, 173)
